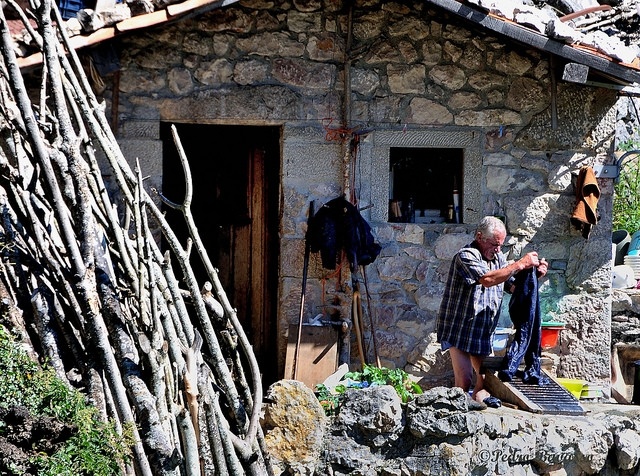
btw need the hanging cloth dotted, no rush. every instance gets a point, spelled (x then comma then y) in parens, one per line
(524, 310)
(339, 226)
(584, 215)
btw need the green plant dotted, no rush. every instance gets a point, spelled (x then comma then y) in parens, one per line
(95, 449)
(626, 201)
(397, 378)
(328, 400)
(370, 375)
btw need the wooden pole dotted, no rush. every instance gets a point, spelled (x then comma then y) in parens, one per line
(305, 269)
(373, 329)
(357, 323)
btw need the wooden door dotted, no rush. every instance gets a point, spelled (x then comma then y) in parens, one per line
(243, 255)
(235, 205)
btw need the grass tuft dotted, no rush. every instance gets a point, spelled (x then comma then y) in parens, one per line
(96, 448)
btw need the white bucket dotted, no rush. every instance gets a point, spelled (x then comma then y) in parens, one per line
(501, 338)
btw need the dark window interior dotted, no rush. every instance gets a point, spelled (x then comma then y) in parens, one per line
(424, 184)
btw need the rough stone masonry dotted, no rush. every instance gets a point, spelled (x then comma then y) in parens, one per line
(418, 74)
(436, 434)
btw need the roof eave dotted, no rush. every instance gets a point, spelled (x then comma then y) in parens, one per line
(539, 41)
(170, 14)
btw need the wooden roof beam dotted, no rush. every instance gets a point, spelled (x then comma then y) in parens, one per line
(534, 39)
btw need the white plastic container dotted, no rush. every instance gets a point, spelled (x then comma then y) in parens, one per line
(501, 338)
(624, 277)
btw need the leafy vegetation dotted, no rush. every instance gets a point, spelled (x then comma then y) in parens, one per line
(397, 378)
(626, 201)
(328, 400)
(370, 376)
(96, 448)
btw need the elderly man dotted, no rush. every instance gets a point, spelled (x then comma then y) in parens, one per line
(471, 303)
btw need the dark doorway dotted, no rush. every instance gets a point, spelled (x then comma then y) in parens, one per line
(236, 183)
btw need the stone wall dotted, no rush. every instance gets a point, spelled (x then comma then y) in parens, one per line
(373, 433)
(412, 70)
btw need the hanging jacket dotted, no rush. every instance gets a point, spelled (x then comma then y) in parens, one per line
(339, 226)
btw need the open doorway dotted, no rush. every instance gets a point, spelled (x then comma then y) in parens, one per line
(236, 184)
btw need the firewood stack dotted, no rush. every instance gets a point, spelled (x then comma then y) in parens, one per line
(99, 293)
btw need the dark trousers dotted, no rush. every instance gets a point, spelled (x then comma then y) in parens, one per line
(524, 310)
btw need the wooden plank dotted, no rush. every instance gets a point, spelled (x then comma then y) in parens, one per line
(142, 21)
(623, 90)
(508, 393)
(258, 253)
(103, 34)
(317, 356)
(30, 61)
(241, 272)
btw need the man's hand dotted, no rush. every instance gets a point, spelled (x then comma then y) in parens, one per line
(499, 276)
(529, 260)
(543, 267)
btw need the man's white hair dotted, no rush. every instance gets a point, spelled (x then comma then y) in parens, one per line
(489, 225)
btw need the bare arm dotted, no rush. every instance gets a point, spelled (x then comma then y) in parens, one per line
(499, 276)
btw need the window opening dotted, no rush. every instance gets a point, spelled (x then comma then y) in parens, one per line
(425, 185)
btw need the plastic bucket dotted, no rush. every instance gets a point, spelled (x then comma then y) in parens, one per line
(500, 338)
(620, 240)
(634, 245)
(550, 333)
(574, 386)
(549, 338)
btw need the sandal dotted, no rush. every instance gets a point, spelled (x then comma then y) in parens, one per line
(474, 404)
(504, 376)
(492, 402)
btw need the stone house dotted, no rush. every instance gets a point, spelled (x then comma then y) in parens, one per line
(282, 104)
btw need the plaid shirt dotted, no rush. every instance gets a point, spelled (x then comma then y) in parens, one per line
(469, 312)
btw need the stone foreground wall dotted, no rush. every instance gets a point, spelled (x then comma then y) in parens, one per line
(436, 434)
(414, 69)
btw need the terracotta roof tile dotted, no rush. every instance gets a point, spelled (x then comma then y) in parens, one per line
(130, 24)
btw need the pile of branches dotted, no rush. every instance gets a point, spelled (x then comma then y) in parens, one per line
(99, 299)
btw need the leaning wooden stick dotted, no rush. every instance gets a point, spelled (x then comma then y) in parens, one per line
(190, 379)
(305, 269)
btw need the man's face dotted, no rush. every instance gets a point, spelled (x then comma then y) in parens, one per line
(490, 245)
